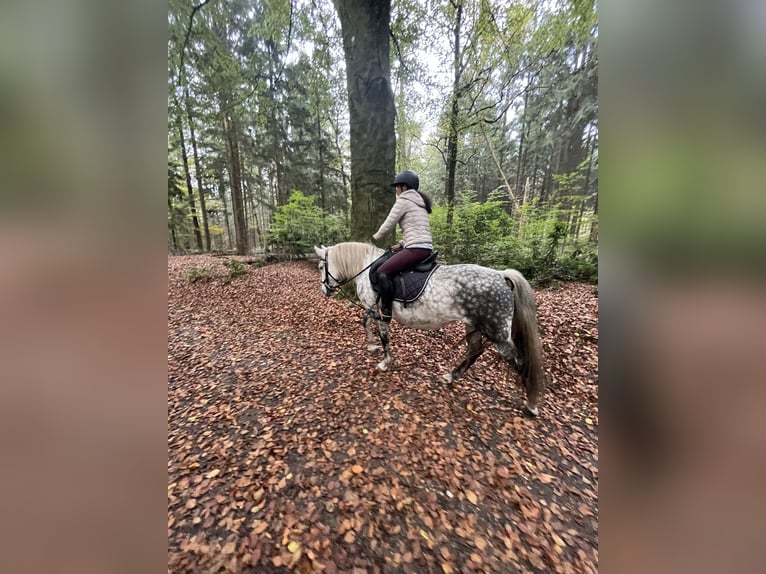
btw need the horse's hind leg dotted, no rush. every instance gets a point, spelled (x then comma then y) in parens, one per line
(475, 349)
(509, 351)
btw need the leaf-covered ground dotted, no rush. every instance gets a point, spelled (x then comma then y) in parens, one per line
(288, 451)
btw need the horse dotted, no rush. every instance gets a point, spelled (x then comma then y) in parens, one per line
(498, 305)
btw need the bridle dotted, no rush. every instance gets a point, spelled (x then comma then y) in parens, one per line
(338, 283)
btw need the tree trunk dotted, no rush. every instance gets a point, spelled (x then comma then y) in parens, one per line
(238, 208)
(222, 191)
(172, 226)
(402, 160)
(366, 27)
(449, 186)
(322, 194)
(524, 128)
(197, 170)
(187, 173)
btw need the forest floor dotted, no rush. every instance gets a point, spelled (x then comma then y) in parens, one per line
(288, 451)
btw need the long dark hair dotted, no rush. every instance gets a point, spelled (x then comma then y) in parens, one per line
(426, 200)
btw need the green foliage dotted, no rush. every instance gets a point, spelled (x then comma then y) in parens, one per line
(235, 267)
(534, 241)
(199, 274)
(300, 224)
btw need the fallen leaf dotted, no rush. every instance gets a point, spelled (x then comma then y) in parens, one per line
(356, 469)
(259, 526)
(248, 360)
(228, 549)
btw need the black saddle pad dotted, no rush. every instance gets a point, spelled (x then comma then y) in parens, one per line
(409, 285)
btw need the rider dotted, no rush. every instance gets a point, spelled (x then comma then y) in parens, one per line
(411, 213)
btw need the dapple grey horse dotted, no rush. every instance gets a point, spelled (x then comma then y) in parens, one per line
(498, 305)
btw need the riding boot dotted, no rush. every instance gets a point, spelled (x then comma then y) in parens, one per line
(386, 288)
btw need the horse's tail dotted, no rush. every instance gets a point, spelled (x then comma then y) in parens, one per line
(526, 337)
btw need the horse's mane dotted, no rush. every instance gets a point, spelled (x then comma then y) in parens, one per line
(349, 258)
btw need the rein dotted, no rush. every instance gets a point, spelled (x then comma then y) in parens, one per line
(338, 284)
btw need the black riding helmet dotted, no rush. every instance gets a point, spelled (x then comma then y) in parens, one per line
(408, 178)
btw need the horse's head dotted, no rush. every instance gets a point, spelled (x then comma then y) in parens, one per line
(329, 282)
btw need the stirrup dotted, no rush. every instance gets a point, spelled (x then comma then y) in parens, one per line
(373, 314)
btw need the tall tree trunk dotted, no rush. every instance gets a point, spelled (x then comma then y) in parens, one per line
(275, 123)
(512, 201)
(172, 225)
(322, 194)
(449, 186)
(402, 160)
(366, 27)
(222, 191)
(524, 128)
(197, 169)
(187, 173)
(238, 208)
(343, 174)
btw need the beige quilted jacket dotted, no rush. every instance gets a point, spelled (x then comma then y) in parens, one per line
(410, 213)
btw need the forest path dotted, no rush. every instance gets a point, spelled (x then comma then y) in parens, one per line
(288, 451)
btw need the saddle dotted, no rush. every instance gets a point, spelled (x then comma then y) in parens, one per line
(408, 285)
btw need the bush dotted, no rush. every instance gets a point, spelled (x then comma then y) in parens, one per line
(201, 274)
(235, 267)
(580, 264)
(534, 241)
(299, 225)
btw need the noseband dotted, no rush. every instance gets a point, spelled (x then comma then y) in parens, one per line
(338, 283)
(327, 276)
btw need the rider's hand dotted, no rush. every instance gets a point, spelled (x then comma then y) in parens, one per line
(396, 246)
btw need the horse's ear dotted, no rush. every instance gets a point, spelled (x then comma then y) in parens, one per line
(319, 251)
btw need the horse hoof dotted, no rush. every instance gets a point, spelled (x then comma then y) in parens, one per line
(382, 366)
(373, 348)
(531, 411)
(447, 377)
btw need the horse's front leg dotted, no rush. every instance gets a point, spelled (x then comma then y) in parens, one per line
(383, 328)
(372, 341)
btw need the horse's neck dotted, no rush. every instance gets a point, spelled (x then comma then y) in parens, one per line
(355, 261)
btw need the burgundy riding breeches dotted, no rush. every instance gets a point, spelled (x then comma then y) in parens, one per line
(403, 260)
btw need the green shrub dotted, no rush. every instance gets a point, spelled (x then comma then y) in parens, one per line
(299, 225)
(235, 267)
(579, 264)
(535, 240)
(201, 274)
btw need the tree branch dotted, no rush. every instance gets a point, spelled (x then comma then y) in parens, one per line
(188, 31)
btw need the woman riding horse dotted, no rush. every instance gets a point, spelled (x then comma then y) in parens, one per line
(411, 213)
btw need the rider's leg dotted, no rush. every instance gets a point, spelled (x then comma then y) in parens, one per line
(386, 286)
(401, 261)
